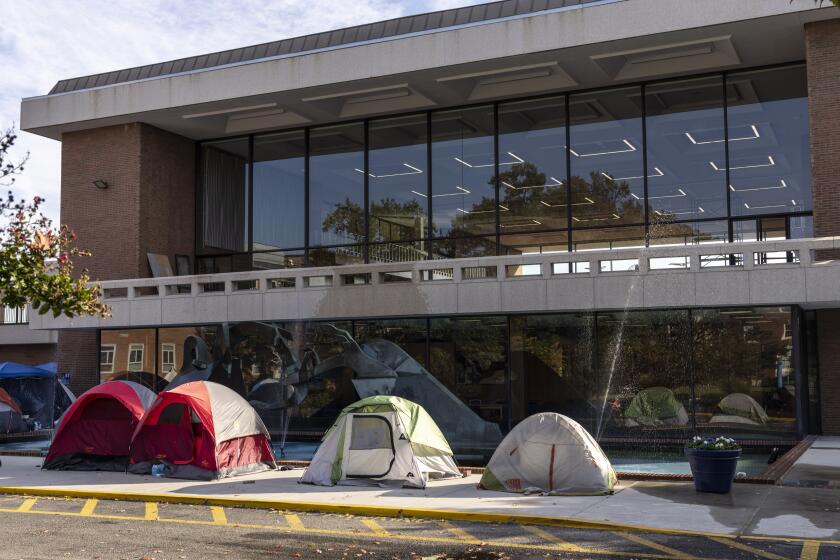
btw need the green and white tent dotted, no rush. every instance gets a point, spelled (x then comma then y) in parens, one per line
(384, 441)
(549, 453)
(655, 406)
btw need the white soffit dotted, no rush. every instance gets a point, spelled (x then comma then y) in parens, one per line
(513, 80)
(669, 58)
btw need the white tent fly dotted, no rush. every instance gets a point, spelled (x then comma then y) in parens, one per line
(384, 441)
(549, 453)
(740, 408)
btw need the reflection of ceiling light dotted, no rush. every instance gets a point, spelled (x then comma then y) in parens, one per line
(736, 312)
(586, 198)
(526, 223)
(698, 211)
(680, 195)
(770, 163)
(782, 185)
(793, 202)
(753, 127)
(630, 148)
(414, 171)
(657, 174)
(516, 158)
(462, 189)
(502, 208)
(611, 217)
(747, 206)
(556, 182)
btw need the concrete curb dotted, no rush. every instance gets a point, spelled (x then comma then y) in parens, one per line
(375, 511)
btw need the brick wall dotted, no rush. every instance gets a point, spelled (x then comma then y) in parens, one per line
(828, 345)
(147, 208)
(29, 354)
(822, 44)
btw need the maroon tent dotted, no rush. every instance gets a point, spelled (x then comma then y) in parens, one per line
(95, 432)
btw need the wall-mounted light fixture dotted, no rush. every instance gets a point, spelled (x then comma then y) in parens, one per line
(101, 184)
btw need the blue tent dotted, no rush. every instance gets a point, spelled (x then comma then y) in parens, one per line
(41, 396)
(12, 369)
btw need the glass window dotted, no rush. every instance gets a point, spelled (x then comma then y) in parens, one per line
(743, 371)
(106, 358)
(135, 357)
(469, 357)
(224, 196)
(690, 233)
(167, 358)
(398, 252)
(464, 247)
(685, 131)
(608, 238)
(534, 190)
(278, 259)
(463, 166)
(769, 154)
(398, 179)
(551, 358)
(400, 336)
(279, 185)
(336, 256)
(336, 185)
(535, 243)
(644, 382)
(606, 157)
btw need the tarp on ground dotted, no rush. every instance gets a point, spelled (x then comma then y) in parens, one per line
(201, 430)
(95, 432)
(549, 453)
(382, 440)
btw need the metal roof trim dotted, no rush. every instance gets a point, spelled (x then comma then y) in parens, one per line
(145, 69)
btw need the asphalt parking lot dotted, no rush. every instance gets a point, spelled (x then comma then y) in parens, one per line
(74, 528)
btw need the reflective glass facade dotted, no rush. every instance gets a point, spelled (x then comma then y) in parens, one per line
(646, 376)
(709, 159)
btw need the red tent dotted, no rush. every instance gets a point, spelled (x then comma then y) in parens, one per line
(95, 432)
(201, 430)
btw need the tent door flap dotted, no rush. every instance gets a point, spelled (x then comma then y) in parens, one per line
(371, 452)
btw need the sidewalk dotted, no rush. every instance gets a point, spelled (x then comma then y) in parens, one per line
(754, 510)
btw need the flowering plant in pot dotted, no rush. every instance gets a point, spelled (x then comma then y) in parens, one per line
(713, 462)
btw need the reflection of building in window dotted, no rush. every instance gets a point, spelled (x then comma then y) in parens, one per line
(106, 358)
(135, 357)
(167, 358)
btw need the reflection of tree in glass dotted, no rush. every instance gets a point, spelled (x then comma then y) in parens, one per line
(390, 220)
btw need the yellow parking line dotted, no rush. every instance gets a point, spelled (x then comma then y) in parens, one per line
(561, 544)
(219, 517)
(651, 544)
(747, 548)
(294, 522)
(27, 505)
(810, 550)
(375, 527)
(87, 509)
(151, 511)
(458, 532)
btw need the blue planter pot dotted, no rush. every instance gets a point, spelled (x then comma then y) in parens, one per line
(713, 470)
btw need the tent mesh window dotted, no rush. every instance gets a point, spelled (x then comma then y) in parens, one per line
(172, 414)
(370, 433)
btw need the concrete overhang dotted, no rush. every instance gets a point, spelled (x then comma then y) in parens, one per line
(595, 45)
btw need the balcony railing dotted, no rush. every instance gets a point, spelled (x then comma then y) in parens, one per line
(15, 316)
(758, 273)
